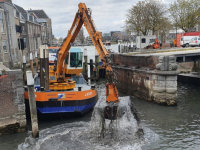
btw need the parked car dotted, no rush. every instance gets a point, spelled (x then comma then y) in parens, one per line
(195, 41)
(185, 40)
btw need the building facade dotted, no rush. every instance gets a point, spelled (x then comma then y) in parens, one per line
(30, 32)
(46, 25)
(10, 54)
(22, 32)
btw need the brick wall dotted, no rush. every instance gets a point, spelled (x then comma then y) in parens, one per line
(12, 108)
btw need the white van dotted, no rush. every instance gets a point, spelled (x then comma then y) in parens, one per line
(143, 41)
(185, 40)
(195, 41)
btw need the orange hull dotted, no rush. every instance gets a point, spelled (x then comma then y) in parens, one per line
(64, 101)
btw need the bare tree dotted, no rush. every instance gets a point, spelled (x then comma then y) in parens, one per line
(137, 19)
(157, 11)
(185, 13)
(145, 17)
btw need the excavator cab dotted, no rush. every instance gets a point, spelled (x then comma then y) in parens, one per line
(74, 61)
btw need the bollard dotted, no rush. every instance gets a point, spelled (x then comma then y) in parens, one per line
(31, 63)
(97, 64)
(36, 61)
(24, 69)
(46, 66)
(32, 104)
(85, 64)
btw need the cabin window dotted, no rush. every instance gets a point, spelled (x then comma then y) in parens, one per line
(53, 50)
(76, 59)
(143, 40)
(198, 38)
(66, 59)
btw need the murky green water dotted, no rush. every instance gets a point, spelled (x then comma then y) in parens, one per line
(172, 128)
(177, 127)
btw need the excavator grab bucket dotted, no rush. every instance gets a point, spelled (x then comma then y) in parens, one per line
(110, 112)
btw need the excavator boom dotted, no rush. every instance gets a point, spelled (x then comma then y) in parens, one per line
(83, 16)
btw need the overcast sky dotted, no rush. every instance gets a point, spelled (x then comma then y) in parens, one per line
(108, 15)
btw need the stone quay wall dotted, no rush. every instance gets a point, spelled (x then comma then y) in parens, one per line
(153, 78)
(12, 108)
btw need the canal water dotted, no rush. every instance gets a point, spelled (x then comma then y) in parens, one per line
(167, 128)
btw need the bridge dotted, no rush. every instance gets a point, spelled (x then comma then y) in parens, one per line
(152, 74)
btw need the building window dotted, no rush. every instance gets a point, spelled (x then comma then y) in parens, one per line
(4, 46)
(24, 42)
(143, 40)
(36, 42)
(1, 22)
(17, 14)
(23, 30)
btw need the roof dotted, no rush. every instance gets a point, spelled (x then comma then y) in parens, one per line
(75, 49)
(39, 13)
(20, 9)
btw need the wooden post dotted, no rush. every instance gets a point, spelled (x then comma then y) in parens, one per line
(36, 61)
(46, 69)
(89, 76)
(85, 64)
(32, 104)
(119, 47)
(24, 69)
(91, 68)
(42, 68)
(31, 63)
(97, 64)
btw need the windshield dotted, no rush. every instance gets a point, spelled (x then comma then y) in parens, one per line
(151, 40)
(53, 50)
(76, 59)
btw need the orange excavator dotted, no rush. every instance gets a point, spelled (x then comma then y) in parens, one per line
(59, 73)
